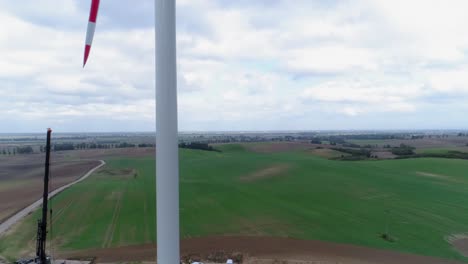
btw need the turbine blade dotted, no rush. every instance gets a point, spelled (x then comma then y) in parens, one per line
(91, 28)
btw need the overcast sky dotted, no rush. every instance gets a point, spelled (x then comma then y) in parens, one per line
(242, 65)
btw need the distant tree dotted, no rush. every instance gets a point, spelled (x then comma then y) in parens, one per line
(81, 145)
(356, 154)
(24, 150)
(352, 145)
(64, 146)
(41, 148)
(125, 145)
(403, 150)
(197, 145)
(316, 141)
(4, 151)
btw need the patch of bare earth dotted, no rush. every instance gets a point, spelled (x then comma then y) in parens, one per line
(262, 250)
(433, 142)
(21, 175)
(383, 154)
(119, 173)
(460, 243)
(108, 153)
(269, 172)
(25, 183)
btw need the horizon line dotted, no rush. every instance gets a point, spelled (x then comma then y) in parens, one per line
(253, 131)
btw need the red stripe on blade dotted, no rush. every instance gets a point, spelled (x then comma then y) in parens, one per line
(94, 10)
(86, 54)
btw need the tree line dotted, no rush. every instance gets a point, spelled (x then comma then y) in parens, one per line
(70, 146)
(197, 145)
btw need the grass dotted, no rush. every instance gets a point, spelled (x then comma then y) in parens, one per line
(315, 198)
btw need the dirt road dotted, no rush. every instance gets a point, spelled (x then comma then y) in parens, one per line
(18, 216)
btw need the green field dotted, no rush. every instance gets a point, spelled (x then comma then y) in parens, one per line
(293, 194)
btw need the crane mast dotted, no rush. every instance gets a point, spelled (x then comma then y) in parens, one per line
(41, 256)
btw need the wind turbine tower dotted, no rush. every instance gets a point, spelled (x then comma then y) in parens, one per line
(167, 155)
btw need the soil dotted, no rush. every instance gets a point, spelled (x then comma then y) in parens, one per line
(21, 175)
(261, 250)
(109, 153)
(462, 246)
(383, 154)
(434, 142)
(459, 242)
(24, 182)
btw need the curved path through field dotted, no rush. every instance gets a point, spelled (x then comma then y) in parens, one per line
(18, 216)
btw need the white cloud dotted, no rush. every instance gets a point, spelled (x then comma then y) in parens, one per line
(333, 59)
(354, 97)
(452, 81)
(241, 66)
(432, 30)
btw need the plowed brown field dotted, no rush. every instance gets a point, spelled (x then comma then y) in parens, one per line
(21, 179)
(262, 250)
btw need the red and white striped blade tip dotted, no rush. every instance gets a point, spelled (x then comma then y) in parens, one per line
(86, 54)
(91, 28)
